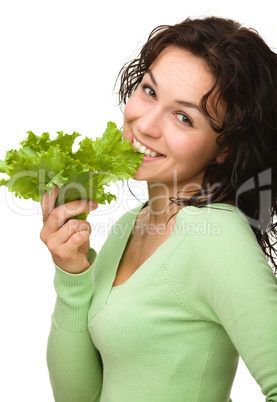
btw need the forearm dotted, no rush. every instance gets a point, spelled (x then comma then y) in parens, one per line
(74, 367)
(73, 362)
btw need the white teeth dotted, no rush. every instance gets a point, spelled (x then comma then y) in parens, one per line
(143, 149)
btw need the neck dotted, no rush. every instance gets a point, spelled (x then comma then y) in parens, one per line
(160, 208)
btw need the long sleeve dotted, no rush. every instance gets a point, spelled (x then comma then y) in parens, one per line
(240, 288)
(73, 362)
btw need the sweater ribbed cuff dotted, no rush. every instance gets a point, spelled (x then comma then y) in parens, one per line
(74, 294)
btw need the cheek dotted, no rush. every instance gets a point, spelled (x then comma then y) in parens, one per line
(194, 150)
(131, 109)
(127, 118)
(127, 112)
(186, 147)
(132, 112)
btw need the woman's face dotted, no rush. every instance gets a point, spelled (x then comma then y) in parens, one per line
(163, 115)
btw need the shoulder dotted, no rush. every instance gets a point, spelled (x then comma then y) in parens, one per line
(219, 241)
(219, 259)
(214, 225)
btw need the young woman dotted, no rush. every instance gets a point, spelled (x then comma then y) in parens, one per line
(163, 313)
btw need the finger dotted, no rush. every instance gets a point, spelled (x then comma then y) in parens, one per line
(66, 231)
(60, 214)
(70, 248)
(48, 203)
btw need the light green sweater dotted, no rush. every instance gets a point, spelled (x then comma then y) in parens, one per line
(173, 332)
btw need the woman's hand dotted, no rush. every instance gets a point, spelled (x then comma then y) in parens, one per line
(67, 240)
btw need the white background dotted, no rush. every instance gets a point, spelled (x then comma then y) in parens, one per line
(58, 64)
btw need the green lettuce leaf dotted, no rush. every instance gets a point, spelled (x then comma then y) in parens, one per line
(41, 164)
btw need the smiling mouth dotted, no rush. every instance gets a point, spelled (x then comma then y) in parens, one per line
(146, 151)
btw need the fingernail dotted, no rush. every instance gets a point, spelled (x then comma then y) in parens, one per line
(53, 189)
(92, 204)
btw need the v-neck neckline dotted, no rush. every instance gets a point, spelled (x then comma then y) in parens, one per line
(218, 206)
(148, 267)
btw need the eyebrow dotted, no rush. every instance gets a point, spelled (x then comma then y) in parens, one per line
(180, 102)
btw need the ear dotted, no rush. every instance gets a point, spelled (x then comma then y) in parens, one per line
(223, 153)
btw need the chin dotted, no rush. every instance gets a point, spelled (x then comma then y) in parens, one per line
(138, 176)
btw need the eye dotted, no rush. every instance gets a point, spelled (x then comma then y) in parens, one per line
(149, 91)
(184, 119)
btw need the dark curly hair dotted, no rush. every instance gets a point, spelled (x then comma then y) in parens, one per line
(245, 71)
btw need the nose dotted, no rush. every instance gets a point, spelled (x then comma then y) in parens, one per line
(150, 122)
